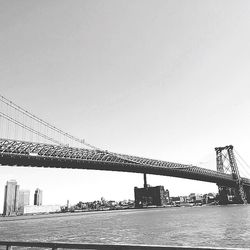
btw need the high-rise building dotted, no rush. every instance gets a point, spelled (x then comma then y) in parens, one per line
(24, 199)
(11, 197)
(38, 197)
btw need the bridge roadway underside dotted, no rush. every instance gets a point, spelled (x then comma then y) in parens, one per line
(51, 162)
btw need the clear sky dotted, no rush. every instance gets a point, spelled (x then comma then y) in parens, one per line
(168, 80)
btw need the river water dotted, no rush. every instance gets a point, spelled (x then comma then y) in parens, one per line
(218, 226)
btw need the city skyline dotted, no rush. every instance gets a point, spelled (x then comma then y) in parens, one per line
(21, 197)
(15, 199)
(166, 83)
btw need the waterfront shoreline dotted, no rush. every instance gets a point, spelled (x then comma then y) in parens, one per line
(80, 213)
(68, 214)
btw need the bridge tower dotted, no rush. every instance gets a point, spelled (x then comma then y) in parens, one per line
(226, 155)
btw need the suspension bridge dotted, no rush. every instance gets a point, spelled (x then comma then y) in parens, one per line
(27, 140)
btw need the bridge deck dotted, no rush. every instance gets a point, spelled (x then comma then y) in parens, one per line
(20, 153)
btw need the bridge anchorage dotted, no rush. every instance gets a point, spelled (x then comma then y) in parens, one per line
(226, 163)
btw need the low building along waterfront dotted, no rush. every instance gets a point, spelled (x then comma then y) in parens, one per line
(33, 209)
(151, 196)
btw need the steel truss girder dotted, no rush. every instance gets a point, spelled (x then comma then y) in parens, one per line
(36, 154)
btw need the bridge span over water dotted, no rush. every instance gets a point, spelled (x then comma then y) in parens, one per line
(21, 153)
(54, 148)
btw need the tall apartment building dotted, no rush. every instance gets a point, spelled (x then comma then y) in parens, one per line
(38, 197)
(24, 199)
(11, 197)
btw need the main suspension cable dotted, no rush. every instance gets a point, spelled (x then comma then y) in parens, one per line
(34, 117)
(245, 166)
(28, 128)
(47, 125)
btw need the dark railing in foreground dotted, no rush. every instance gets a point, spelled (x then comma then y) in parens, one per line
(59, 245)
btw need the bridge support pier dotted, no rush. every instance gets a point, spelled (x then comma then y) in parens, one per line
(223, 195)
(231, 195)
(145, 180)
(238, 197)
(247, 192)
